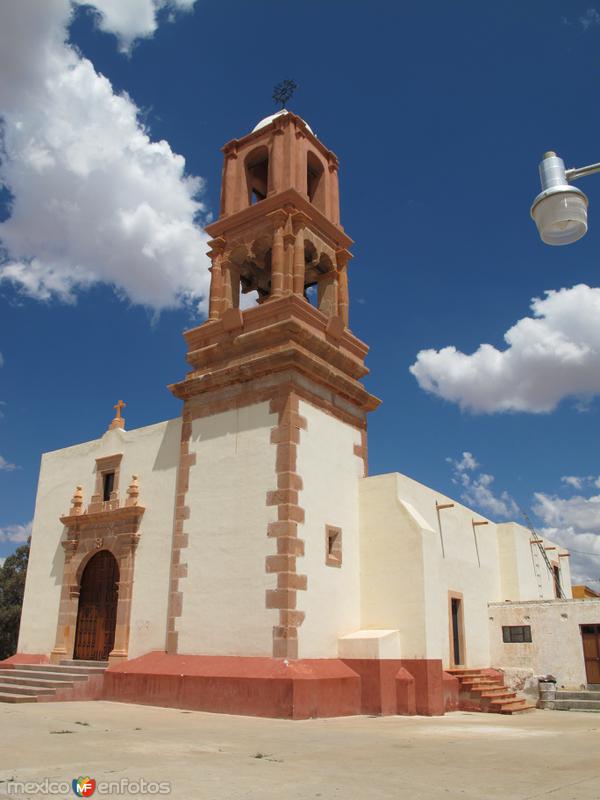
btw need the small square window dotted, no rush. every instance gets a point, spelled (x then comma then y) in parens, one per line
(333, 546)
(516, 634)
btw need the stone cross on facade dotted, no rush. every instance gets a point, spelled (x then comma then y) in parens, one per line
(118, 421)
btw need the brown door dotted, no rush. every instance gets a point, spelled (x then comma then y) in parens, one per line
(590, 635)
(456, 629)
(456, 613)
(97, 615)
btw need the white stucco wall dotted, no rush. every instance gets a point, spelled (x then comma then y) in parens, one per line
(330, 473)
(556, 646)
(411, 559)
(518, 562)
(152, 453)
(407, 576)
(224, 609)
(391, 565)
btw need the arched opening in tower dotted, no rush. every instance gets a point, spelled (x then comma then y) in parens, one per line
(315, 181)
(257, 174)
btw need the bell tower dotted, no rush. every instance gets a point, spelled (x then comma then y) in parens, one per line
(279, 232)
(279, 382)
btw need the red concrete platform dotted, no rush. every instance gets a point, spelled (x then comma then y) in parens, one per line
(262, 687)
(271, 687)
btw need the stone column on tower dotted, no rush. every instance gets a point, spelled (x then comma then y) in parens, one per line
(342, 258)
(216, 281)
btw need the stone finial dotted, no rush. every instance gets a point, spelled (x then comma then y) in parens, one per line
(118, 421)
(77, 502)
(133, 492)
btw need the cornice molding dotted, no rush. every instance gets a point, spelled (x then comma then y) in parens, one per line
(124, 514)
(288, 202)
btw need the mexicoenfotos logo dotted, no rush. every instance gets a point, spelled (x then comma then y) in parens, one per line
(84, 786)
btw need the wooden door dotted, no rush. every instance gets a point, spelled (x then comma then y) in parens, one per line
(590, 635)
(456, 629)
(456, 626)
(97, 614)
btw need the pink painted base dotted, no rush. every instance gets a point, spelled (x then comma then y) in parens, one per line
(400, 686)
(451, 687)
(270, 687)
(92, 689)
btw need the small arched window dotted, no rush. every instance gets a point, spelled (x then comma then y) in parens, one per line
(257, 174)
(315, 181)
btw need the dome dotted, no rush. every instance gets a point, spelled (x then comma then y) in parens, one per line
(268, 120)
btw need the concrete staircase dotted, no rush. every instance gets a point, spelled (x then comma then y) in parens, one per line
(484, 690)
(69, 680)
(584, 700)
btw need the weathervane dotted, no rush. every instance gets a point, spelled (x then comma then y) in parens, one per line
(283, 91)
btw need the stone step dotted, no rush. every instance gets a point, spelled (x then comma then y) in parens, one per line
(26, 680)
(17, 688)
(518, 709)
(576, 705)
(510, 699)
(6, 697)
(32, 682)
(66, 670)
(464, 672)
(488, 692)
(72, 662)
(55, 676)
(581, 695)
(483, 684)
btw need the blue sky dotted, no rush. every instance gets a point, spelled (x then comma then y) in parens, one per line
(439, 114)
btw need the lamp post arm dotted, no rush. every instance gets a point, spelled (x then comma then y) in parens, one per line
(580, 172)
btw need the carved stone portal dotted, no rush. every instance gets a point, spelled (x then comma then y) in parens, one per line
(112, 528)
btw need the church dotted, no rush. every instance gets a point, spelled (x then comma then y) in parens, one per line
(240, 558)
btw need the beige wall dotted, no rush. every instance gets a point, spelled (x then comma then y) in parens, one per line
(407, 577)
(330, 474)
(520, 565)
(151, 453)
(391, 565)
(555, 648)
(224, 609)
(399, 562)
(411, 559)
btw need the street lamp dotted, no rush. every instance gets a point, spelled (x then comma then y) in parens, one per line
(560, 210)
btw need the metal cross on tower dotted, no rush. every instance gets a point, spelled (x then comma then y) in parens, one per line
(283, 91)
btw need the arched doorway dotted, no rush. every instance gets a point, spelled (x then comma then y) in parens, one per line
(97, 614)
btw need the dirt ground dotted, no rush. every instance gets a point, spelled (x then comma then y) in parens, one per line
(541, 754)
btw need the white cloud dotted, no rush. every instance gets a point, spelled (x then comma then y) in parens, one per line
(6, 465)
(467, 462)
(94, 199)
(15, 533)
(573, 523)
(572, 480)
(580, 481)
(133, 19)
(477, 491)
(591, 17)
(551, 355)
